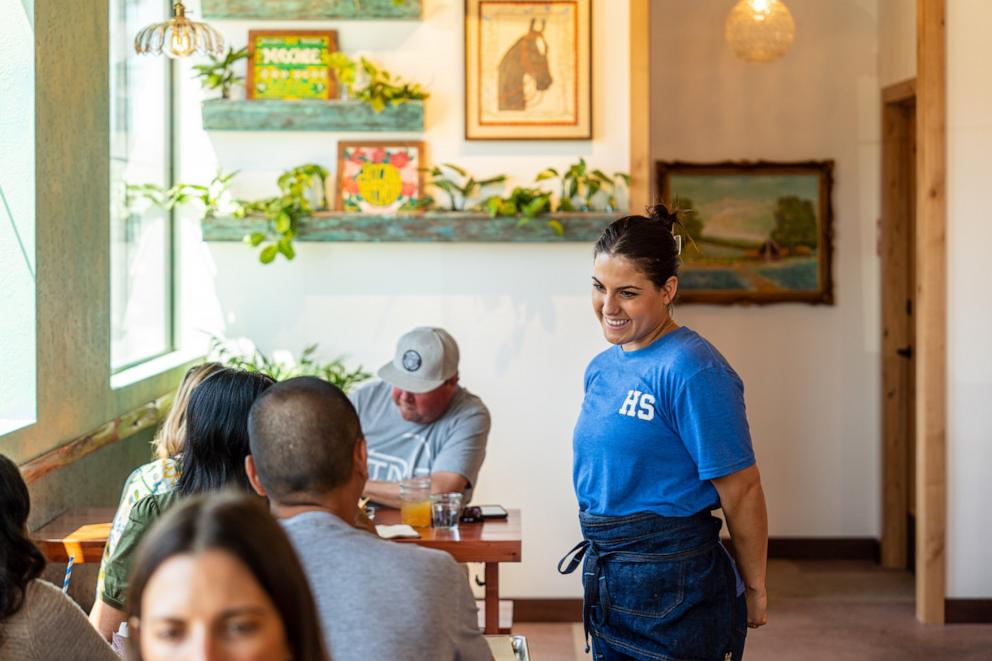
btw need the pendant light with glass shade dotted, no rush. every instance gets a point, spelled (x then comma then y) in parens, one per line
(179, 37)
(760, 30)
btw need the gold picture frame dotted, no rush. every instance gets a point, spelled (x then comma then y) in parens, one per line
(758, 232)
(528, 69)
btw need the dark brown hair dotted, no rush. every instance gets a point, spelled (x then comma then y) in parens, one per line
(646, 241)
(217, 431)
(240, 525)
(303, 433)
(20, 560)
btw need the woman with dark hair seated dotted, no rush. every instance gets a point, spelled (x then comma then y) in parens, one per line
(37, 621)
(218, 573)
(160, 474)
(213, 459)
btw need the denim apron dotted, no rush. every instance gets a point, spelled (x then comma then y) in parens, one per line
(658, 588)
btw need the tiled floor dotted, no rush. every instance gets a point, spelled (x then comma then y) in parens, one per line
(822, 611)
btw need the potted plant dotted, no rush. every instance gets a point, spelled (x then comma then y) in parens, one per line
(219, 72)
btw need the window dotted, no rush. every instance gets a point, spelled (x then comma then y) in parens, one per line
(141, 235)
(17, 217)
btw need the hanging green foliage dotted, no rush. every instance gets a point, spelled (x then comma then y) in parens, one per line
(285, 210)
(367, 82)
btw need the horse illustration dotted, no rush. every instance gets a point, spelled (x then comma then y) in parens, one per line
(527, 57)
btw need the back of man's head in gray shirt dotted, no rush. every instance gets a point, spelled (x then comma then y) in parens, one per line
(303, 434)
(376, 599)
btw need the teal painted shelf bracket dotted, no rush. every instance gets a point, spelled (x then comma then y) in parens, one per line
(423, 227)
(310, 115)
(313, 9)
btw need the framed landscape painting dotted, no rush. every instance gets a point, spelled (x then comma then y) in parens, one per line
(528, 73)
(291, 64)
(757, 232)
(379, 177)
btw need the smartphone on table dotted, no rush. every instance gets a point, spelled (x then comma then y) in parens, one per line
(493, 511)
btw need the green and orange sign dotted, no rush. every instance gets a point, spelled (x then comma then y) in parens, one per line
(291, 64)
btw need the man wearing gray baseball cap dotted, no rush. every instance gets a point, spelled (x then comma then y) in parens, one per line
(417, 419)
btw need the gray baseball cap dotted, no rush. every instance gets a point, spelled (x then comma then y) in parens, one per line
(425, 358)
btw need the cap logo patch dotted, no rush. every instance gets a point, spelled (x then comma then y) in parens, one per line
(411, 361)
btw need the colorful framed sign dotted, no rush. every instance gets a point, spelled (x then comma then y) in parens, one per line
(291, 64)
(379, 177)
(528, 70)
(760, 232)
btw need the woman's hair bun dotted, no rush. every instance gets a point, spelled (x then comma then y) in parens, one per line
(662, 214)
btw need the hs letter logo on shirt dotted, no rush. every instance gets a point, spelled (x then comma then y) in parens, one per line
(638, 403)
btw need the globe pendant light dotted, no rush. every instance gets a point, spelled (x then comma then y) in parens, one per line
(760, 30)
(179, 37)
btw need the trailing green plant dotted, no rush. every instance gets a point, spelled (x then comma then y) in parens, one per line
(525, 203)
(458, 184)
(334, 371)
(219, 72)
(214, 198)
(284, 211)
(367, 82)
(580, 185)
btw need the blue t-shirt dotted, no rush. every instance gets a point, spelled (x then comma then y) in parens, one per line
(656, 426)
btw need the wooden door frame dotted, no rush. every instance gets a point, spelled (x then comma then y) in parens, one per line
(931, 310)
(930, 325)
(640, 105)
(896, 298)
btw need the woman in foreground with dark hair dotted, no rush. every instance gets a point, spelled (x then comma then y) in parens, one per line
(661, 441)
(213, 459)
(218, 573)
(37, 621)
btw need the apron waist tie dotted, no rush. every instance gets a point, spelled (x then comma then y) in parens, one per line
(591, 589)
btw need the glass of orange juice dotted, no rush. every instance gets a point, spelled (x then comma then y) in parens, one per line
(415, 501)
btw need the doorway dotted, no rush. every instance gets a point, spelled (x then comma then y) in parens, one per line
(898, 259)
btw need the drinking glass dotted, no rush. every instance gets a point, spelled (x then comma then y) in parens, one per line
(415, 502)
(445, 509)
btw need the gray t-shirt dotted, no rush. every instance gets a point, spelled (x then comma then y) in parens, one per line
(385, 600)
(455, 443)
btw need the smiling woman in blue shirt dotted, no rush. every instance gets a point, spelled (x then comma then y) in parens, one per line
(661, 442)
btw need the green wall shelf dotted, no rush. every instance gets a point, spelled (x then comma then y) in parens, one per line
(310, 115)
(312, 9)
(422, 227)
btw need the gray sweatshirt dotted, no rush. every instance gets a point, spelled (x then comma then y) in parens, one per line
(385, 600)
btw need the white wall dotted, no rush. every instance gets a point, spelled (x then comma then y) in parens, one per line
(897, 41)
(521, 313)
(969, 309)
(17, 215)
(811, 374)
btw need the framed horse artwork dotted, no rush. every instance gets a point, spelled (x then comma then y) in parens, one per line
(528, 73)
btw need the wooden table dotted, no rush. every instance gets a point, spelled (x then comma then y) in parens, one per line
(491, 542)
(83, 532)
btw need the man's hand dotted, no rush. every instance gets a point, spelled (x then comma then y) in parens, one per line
(363, 522)
(757, 607)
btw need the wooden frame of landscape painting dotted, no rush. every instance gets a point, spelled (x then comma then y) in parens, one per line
(528, 69)
(757, 232)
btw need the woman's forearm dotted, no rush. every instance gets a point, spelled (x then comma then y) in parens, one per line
(743, 503)
(747, 520)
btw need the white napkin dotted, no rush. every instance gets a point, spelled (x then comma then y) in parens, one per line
(398, 530)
